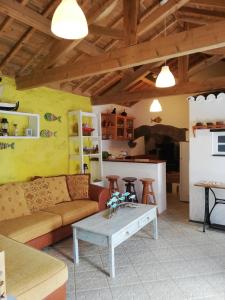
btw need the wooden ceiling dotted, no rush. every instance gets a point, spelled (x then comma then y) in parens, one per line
(120, 58)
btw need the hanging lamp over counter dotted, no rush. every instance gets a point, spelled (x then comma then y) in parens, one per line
(69, 21)
(155, 106)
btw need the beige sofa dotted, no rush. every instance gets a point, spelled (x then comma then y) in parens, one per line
(38, 213)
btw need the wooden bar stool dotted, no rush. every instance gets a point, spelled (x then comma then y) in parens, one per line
(113, 183)
(148, 191)
(130, 187)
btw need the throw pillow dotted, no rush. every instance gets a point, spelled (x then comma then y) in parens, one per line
(12, 201)
(58, 188)
(78, 186)
(37, 194)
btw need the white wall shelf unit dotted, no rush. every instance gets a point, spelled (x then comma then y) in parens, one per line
(80, 139)
(33, 123)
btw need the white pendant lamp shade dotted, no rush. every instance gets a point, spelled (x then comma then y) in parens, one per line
(155, 106)
(165, 78)
(69, 21)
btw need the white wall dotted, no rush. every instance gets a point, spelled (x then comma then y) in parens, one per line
(204, 166)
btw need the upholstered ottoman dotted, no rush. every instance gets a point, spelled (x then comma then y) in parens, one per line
(32, 274)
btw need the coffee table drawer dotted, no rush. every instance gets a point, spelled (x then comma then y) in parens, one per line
(147, 219)
(125, 233)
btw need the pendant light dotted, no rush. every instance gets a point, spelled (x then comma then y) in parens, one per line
(69, 21)
(155, 106)
(165, 78)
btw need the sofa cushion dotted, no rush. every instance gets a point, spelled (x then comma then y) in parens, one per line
(74, 210)
(37, 194)
(31, 274)
(12, 201)
(78, 186)
(24, 229)
(58, 189)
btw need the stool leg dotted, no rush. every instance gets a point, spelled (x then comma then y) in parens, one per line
(145, 194)
(134, 193)
(152, 193)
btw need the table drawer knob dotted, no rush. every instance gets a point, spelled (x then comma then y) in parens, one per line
(127, 232)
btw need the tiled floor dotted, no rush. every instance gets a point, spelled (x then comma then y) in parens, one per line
(184, 263)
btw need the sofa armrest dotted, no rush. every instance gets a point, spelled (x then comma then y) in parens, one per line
(99, 194)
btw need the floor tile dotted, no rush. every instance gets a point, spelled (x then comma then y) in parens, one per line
(130, 292)
(164, 290)
(100, 294)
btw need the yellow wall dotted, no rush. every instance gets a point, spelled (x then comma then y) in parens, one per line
(44, 156)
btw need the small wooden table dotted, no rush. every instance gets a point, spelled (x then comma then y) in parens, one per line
(112, 232)
(208, 186)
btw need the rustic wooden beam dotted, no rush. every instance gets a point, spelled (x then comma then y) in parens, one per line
(209, 16)
(183, 68)
(130, 20)
(89, 48)
(188, 88)
(25, 15)
(160, 14)
(179, 44)
(205, 64)
(210, 4)
(105, 31)
(26, 36)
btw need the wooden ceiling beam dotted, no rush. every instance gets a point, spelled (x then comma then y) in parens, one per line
(130, 20)
(183, 62)
(209, 16)
(105, 31)
(25, 15)
(179, 44)
(160, 14)
(211, 4)
(8, 20)
(89, 48)
(26, 36)
(205, 64)
(189, 88)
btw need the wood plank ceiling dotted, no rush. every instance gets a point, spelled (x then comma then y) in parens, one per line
(121, 56)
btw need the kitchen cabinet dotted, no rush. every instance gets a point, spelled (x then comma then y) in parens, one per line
(117, 127)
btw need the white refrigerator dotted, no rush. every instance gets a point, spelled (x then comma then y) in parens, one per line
(184, 171)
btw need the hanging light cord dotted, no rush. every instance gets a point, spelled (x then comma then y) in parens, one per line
(165, 33)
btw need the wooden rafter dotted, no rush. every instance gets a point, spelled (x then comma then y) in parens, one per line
(105, 31)
(183, 68)
(188, 42)
(160, 14)
(205, 64)
(180, 89)
(130, 17)
(211, 4)
(26, 36)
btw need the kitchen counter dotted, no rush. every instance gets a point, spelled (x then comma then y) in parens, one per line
(136, 160)
(139, 168)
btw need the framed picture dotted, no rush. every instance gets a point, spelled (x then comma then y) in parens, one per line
(218, 142)
(2, 276)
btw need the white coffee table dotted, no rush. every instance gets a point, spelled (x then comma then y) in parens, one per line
(112, 232)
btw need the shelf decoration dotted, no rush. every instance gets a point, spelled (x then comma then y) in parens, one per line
(4, 146)
(208, 125)
(47, 133)
(51, 117)
(9, 106)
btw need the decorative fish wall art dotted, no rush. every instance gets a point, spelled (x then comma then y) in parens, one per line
(47, 133)
(51, 117)
(7, 145)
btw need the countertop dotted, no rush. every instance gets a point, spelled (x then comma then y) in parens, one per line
(136, 160)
